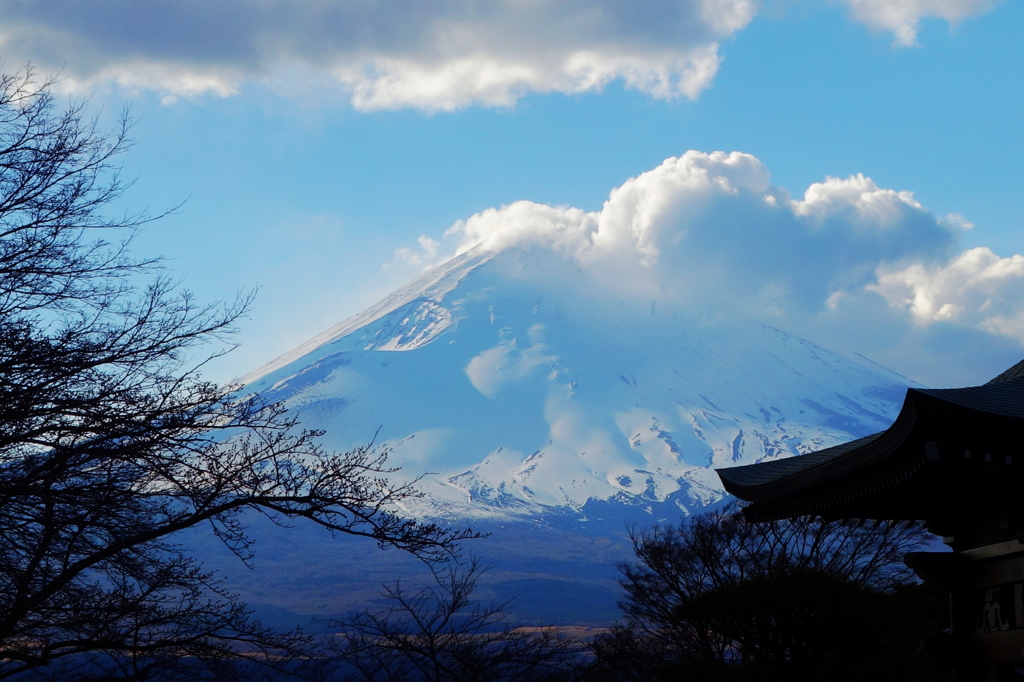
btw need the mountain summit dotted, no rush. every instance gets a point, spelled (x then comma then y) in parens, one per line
(529, 387)
(567, 372)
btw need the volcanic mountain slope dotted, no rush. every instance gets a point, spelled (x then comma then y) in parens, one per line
(532, 390)
(569, 370)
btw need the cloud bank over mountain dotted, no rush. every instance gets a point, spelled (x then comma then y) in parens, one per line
(551, 358)
(848, 263)
(439, 55)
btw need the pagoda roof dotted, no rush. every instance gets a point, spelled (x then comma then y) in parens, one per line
(899, 472)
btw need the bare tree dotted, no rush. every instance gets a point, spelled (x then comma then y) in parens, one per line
(111, 442)
(444, 635)
(716, 589)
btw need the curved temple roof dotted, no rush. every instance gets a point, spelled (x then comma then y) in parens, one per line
(899, 473)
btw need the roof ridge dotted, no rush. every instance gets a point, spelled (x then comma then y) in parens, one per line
(1014, 373)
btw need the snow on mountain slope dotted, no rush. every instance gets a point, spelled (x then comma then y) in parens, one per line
(431, 286)
(495, 372)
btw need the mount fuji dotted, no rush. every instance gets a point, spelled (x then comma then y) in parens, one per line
(526, 402)
(567, 373)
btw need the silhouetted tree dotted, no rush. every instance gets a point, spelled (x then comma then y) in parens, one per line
(111, 442)
(810, 625)
(800, 599)
(623, 654)
(444, 635)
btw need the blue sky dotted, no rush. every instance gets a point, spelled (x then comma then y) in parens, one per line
(316, 139)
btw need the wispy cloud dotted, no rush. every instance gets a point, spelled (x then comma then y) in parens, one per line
(903, 17)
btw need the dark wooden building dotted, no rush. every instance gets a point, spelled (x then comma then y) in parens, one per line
(954, 460)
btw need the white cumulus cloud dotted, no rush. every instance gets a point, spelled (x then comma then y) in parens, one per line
(849, 263)
(638, 220)
(435, 55)
(977, 287)
(388, 54)
(856, 196)
(708, 226)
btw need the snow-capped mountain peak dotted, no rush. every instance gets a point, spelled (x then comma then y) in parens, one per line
(497, 372)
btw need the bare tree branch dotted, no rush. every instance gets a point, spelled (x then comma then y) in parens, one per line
(111, 442)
